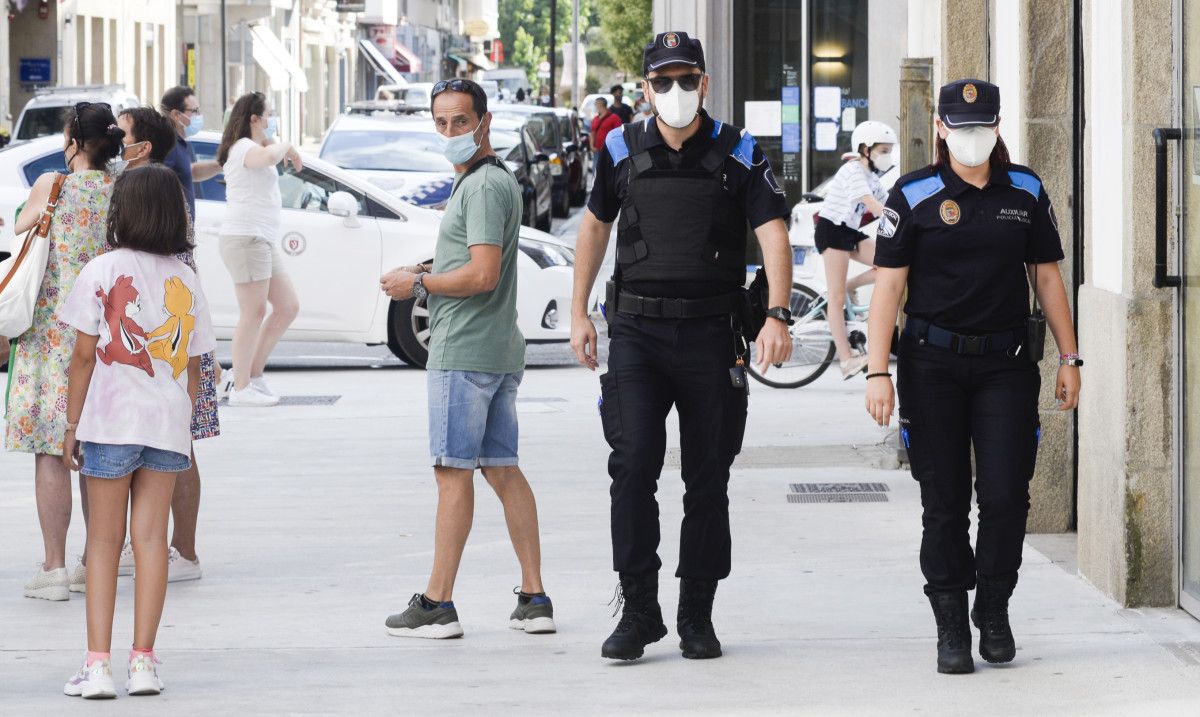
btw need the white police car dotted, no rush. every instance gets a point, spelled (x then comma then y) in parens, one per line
(339, 233)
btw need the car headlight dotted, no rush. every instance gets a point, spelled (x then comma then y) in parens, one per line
(545, 254)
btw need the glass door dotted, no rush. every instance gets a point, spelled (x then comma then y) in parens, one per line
(1189, 232)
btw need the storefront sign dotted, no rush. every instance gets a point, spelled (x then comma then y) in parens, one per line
(35, 70)
(189, 62)
(789, 116)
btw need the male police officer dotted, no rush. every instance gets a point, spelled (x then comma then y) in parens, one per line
(685, 186)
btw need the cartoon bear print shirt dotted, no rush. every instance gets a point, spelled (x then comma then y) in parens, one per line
(151, 318)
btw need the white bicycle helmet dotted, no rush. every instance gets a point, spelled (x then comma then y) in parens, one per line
(871, 133)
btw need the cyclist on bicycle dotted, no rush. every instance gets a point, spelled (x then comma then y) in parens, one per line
(854, 192)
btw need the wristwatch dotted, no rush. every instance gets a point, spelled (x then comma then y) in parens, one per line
(420, 293)
(781, 313)
(1070, 361)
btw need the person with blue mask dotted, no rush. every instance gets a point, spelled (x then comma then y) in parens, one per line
(476, 361)
(249, 155)
(179, 104)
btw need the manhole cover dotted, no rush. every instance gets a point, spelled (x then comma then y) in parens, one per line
(839, 487)
(308, 400)
(836, 498)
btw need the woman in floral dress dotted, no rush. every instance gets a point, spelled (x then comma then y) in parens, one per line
(36, 420)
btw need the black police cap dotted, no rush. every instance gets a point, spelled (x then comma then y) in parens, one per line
(968, 103)
(672, 48)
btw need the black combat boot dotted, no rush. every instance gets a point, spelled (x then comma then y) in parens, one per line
(697, 639)
(954, 634)
(990, 615)
(641, 618)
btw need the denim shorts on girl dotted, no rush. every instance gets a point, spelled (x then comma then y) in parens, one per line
(104, 460)
(473, 418)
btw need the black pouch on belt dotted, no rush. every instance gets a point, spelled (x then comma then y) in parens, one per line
(1035, 328)
(753, 312)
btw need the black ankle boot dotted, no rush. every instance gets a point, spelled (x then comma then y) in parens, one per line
(990, 615)
(697, 638)
(641, 618)
(954, 634)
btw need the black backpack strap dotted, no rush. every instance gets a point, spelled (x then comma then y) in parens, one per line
(490, 159)
(728, 139)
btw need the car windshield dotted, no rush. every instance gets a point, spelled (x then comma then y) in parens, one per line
(564, 127)
(386, 151)
(503, 141)
(542, 127)
(40, 122)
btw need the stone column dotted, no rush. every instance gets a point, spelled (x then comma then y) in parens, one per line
(712, 22)
(1127, 471)
(964, 39)
(1046, 127)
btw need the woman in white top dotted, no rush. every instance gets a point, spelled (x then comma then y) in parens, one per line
(855, 190)
(248, 155)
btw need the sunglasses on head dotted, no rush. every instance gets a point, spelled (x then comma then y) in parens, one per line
(458, 85)
(687, 83)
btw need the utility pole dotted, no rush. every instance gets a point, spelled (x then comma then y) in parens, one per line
(224, 63)
(575, 52)
(553, 42)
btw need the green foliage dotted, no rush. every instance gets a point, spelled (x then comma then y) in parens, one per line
(525, 31)
(627, 29)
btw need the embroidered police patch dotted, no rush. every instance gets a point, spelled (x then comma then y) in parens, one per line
(950, 212)
(671, 40)
(888, 223)
(970, 93)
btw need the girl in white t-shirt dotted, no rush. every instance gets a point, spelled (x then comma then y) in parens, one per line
(854, 191)
(142, 325)
(249, 234)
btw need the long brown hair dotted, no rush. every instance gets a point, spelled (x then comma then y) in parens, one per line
(238, 127)
(998, 159)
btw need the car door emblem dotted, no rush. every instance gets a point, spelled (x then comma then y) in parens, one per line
(293, 244)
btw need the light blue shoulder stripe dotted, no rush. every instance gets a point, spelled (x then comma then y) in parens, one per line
(922, 189)
(744, 151)
(1026, 181)
(616, 145)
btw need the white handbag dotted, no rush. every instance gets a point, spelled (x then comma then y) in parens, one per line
(21, 274)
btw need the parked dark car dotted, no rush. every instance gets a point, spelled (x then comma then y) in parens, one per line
(578, 149)
(513, 143)
(543, 124)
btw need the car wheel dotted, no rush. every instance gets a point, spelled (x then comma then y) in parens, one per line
(544, 222)
(410, 327)
(393, 343)
(563, 207)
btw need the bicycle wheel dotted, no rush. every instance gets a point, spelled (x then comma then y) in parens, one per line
(812, 344)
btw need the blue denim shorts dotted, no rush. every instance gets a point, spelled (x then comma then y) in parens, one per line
(104, 460)
(473, 418)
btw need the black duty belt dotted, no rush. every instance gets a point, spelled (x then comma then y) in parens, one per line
(928, 333)
(665, 308)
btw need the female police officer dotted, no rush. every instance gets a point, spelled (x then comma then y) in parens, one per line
(964, 235)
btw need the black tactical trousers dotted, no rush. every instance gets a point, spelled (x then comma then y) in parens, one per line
(655, 364)
(949, 403)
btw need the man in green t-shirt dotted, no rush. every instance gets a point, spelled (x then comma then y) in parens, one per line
(476, 360)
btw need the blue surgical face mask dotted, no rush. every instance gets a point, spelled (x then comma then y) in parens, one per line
(459, 150)
(272, 126)
(195, 124)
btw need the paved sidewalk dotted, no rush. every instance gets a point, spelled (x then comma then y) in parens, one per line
(317, 523)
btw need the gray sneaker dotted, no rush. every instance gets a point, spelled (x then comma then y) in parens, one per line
(438, 623)
(534, 614)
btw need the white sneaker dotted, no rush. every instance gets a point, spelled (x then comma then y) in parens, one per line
(143, 675)
(180, 568)
(78, 580)
(225, 385)
(92, 682)
(852, 366)
(251, 397)
(49, 585)
(126, 566)
(261, 384)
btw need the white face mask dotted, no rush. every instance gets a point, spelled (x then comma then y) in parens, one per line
(677, 108)
(971, 145)
(883, 161)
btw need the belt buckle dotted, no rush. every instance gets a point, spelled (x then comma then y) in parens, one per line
(974, 344)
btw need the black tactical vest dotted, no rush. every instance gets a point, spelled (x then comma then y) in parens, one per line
(681, 224)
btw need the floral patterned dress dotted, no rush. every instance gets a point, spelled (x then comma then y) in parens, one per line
(37, 379)
(205, 422)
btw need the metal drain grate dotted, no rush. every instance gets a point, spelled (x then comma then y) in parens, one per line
(308, 400)
(838, 493)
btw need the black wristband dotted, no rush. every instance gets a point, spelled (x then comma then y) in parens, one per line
(878, 375)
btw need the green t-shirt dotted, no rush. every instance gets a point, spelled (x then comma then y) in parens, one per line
(479, 333)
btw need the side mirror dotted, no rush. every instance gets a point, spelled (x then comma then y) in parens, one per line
(541, 157)
(343, 204)
(572, 147)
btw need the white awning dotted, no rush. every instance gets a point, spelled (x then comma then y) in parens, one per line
(276, 61)
(381, 64)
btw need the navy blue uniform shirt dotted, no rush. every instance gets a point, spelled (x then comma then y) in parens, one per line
(966, 248)
(180, 160)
